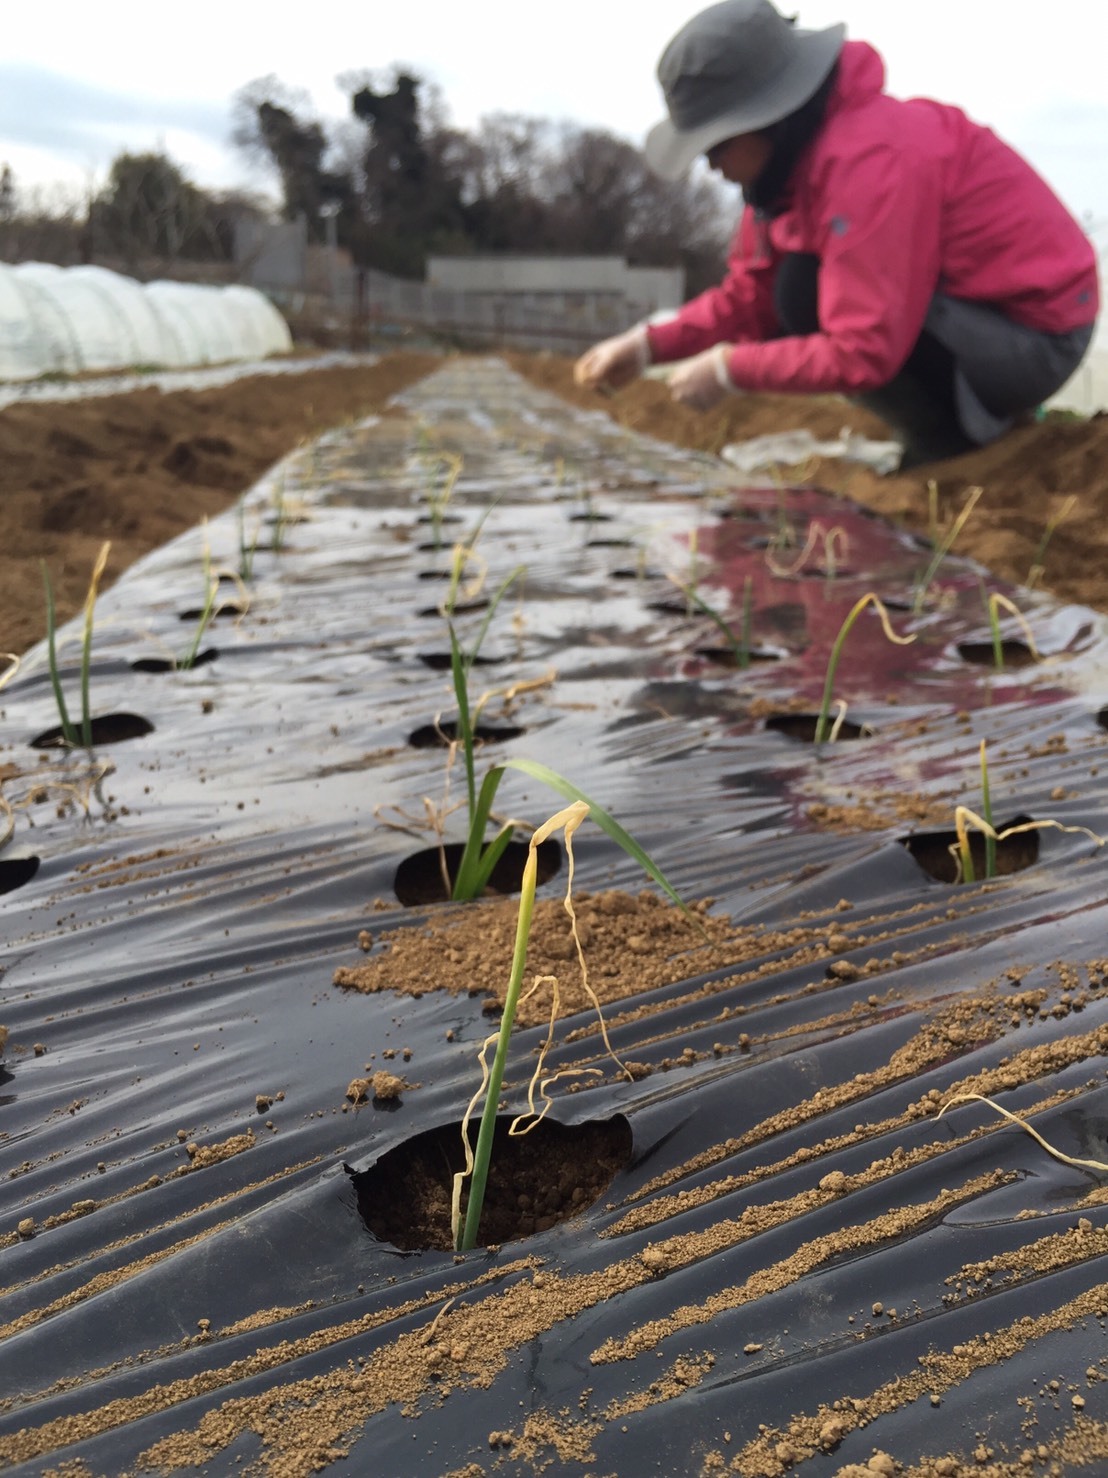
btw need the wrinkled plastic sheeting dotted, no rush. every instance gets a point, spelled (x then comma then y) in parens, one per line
(793, 448)
(171, 959)
(208, 378)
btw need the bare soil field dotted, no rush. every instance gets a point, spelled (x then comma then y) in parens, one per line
(139, 468)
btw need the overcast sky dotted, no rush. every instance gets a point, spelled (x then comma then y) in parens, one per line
(80, 81)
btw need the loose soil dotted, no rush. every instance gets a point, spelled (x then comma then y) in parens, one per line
(140, 468)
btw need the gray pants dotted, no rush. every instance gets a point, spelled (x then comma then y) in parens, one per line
(1000, 368)
(970, 374)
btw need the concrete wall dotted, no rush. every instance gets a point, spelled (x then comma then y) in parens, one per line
(273, 253)
(560, 279)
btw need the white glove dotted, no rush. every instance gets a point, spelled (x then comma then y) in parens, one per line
(614, 362)
(704, 380)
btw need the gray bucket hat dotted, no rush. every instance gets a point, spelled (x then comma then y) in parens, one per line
(734, 68)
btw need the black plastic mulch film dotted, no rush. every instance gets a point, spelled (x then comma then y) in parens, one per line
(175, 907)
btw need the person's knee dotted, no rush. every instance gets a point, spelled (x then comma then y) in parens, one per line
(796, 293)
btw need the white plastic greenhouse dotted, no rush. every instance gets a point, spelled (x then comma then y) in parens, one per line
(70, 319)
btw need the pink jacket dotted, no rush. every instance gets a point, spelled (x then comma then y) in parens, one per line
(899, 200)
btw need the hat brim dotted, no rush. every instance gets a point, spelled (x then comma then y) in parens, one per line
(670, 151)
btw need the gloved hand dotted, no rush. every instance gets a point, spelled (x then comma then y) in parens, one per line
(614, 362)
(704, 380)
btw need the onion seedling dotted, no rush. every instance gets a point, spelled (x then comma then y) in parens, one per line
(69, 732)
(945, 545)
(280, 512)
(739, 646)
(461, 664)
(823, 721)
(247, 550)
(478, 861)
(964, 851)
(965, 818)
(14, 662)
(448, 468)
(993, 603)
(207, 612)
(1038, 568)
(477, 1161)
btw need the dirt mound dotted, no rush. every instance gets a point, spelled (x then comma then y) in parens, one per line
(1027, 476)
(140, 468)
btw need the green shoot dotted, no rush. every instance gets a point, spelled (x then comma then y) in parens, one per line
(993, 603)
(933, 511)
(785, 535)
(739, 646)
(477, 862)
(994, 629)
(443, 476)
(477, 1162)
(207, 612)
(987, 813)
(86, 642)
(460, 666)
(823, 721)
(14, 662)
(1038, 567)
(280, 512)
(463, 554)
(69, 733)
(246, 550)
(944, 546)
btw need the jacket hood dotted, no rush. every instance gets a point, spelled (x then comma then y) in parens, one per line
(861, 76)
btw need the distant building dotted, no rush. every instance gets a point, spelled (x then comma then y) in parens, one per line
(569, 285)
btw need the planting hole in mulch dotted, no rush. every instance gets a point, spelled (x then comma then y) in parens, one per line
(727, 657)
(983, 653)
(536, 1180)
(419, 878)
(221, 612)
(435, 574)
(167, 664)
(462, 608)
(803, 726)
(643, 574)
(445, 733)
(590, 517)
(443, 518)
(822, 572)
(610, 544)
(444, 661)
(673, 607)
(109, 728)
(931, 849)
(1102, 718)
(16, 871)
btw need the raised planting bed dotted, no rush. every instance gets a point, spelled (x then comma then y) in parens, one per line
(741, 1239)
